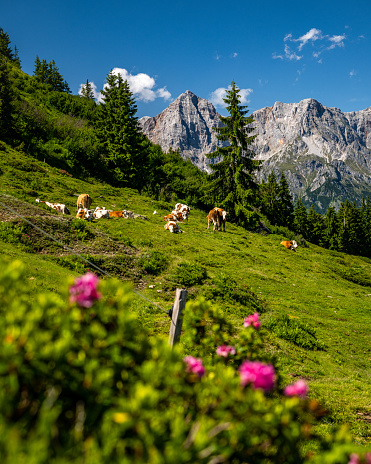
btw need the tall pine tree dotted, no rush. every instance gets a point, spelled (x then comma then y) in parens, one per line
(269, 198)
(331, 230)
(285, 210)
(232, 184)
(6, 102)
(300, 223)
(119, 133)
(87, 90)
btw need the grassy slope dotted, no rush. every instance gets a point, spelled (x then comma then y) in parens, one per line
(313, 285)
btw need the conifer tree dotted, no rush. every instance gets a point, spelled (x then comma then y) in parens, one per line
(6, 105)
(315, 227)
(285, 203)
(366, 219)
(5, 49)
(118, 131)
(330, 232)
(351, 231)
(300, 222)
(48, 73)
(87, 90)
(232, 185)
(269, 197)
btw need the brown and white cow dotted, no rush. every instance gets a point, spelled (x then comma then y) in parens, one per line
(290, 244)
(116, 214)
(218, 217)
(183, 209)
(99, 213)
(173, 227)
(61, 208)
(84, 213)
(84, 201)
(174, 216)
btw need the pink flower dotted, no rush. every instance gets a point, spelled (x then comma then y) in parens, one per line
(252, 320)
(368, 458)
(225, 350)
(84, 291)
(299, 388)
(194, 365)
(354, 459)
(260, 375)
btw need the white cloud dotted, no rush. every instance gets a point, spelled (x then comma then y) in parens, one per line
(217, 96)
(311, 36)
(319, 41)
(141, 85)
(352, 73)
(234, 55)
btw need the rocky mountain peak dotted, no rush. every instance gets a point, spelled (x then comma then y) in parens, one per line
(324, 153)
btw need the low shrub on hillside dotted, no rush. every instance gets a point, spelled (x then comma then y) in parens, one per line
(81, 381)
(189, 274)
(153, 262)
(294, 331)
(224, 288)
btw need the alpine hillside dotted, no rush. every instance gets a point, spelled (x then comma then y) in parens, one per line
(324, 153)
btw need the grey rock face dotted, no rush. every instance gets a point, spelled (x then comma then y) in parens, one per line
(324, 153)
(186, 125)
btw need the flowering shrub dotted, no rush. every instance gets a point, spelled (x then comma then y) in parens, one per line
(85, 383)
(225, 351)
(299, 388)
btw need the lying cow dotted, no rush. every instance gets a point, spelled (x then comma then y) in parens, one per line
(84, 213)
(173, 227)
(290, 244)
(61, 208)
(218, 217)
(174, 216)
(84, 201)
(99, 213)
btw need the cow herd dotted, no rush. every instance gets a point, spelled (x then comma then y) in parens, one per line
(217, 216)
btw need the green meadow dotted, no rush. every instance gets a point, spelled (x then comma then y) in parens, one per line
(315, 304)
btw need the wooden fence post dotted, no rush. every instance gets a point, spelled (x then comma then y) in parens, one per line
(177, 316)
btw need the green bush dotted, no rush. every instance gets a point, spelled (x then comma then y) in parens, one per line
(153, 262)
(226, 289)
(294, 331)
(187, 274)
(84, 383)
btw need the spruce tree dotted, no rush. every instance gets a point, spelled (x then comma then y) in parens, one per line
(231, 184)
(269, 198)
(331, 229)
(5, 49)
(48, 73)
(351, 231)
(285, 210)
(300, 223)
(315, 227)
(366, 220)
(118, 131)
(87, 90)
(6, 103)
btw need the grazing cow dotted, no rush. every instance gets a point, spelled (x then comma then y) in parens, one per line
(57, 206)
(84, 213)
(84, 201)
(99, 213)
(290, 244)
(218, 217)
(173, 227)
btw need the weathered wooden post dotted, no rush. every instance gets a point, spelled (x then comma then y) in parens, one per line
(177, 315)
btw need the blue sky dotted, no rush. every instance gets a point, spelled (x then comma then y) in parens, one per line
(274, 51)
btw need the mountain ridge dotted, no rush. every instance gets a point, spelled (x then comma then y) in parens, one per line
(324, 153)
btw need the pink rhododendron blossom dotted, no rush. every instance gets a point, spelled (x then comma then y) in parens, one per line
(194, 365)
(354, 459)
(299, 388)
(260, 375)
(225, 350)
(368, 458)
(84, 291)
(252, 320)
